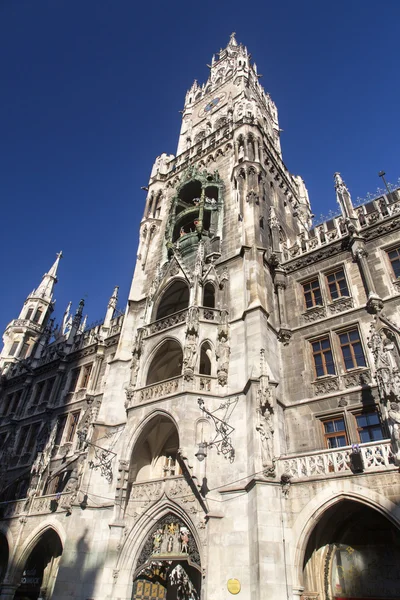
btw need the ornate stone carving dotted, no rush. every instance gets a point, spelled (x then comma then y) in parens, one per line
(314, 314)
(357, 378)
(222, 353)
(189, 356)
(326, 386)
(284, 335)
(341, 304)
(159, 389)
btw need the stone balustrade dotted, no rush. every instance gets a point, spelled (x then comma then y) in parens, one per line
(376, 456)
(166, 322)
(37, 506)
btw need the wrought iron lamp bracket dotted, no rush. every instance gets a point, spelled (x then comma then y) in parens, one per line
(223, 430)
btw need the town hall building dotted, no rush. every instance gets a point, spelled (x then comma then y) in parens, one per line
(236, 431)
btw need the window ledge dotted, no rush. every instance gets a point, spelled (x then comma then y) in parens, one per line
(326, 384)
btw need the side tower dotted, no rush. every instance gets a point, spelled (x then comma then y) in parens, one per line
(22, 335)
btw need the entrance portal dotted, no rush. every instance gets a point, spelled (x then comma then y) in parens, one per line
(353, 553)
(40, 571)
(169, 564)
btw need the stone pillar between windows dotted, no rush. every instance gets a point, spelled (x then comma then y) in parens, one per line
(95, 374)
(374, 302)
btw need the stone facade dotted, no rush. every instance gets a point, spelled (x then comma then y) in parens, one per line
(237, 429)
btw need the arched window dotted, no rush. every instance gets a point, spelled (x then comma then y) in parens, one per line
(205, 359)
(154, 454)
(209, 295)
(174, 299)
(167, 362)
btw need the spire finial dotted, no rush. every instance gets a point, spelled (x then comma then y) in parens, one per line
(232, 39)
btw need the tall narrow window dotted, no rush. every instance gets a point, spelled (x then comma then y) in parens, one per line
(323, 358)
(60, 429)
(48, 390)
(74, 379)
(72, 424)
(353, 355)
(335, 433)
(32, 437)
(21, 440)
(13, 348)
(312, 293)
(394, 257)
(337, 284)
(205, 359)
(87, 369)
(24, 350)
(29, 313)
(209, 295)
(37, 315)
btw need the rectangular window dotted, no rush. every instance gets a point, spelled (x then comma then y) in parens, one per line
(8, 404)
(38, 393)
(29, 313)
(74, 380)
(394, 257)
(335, 433)
(353, 355)
(87, 369)
(13, 348)
(312, 293)
(15, 401)
(337, 284)
(323, 358)
(60, 430)
(24, 350)
(32, 437)
(72, 424)
(21, 440)
(48, 390)
(369, 427)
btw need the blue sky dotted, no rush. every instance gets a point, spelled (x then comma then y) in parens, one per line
(90, 94)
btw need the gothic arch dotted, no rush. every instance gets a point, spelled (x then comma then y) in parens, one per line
(127, 561)
(209, 294)
(313, 511)
(153, 455)
(138, 431)
(172, 298)
(165, 361)
(206, 363)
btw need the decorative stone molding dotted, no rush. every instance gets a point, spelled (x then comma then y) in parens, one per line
(325, 385)
(158, 390)
(340, 305)
(314, 314)
(284, 335)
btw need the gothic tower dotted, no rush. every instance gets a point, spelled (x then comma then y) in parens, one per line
(22, 336)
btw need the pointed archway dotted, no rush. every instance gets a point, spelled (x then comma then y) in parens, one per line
(168, 567)
(352, 553)
(40, 569)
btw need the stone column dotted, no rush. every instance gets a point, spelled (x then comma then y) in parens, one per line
(374, 302)
(297, 592)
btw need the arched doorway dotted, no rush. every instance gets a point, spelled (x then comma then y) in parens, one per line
(169, 566)
(40, 569)
(352, 553)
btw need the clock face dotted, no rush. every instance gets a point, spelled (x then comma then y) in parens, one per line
(211, 104)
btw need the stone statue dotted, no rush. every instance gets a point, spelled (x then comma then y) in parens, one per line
(266, 430)
(223, 352)
(394, 426)
(190, 355)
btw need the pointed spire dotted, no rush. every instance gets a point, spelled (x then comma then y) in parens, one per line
(45, 288)
(112, 305)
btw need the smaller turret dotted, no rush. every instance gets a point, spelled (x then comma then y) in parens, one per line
(22, 334)
(112, 305)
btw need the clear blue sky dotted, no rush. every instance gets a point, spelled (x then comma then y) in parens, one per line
(90, 94)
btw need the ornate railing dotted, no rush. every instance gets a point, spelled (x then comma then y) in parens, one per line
(209, 314)
(168, 321)
(375, 456)
(332, 383)
(162, 388)
(37, 506)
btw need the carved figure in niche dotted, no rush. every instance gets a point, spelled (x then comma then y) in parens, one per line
(157, 539)
(223, 352)
(264, 401)
(190, 354)
(266, 430)
(170, 544)
(394, 426)
(193, 320)
(386, 364)
(184, 535)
